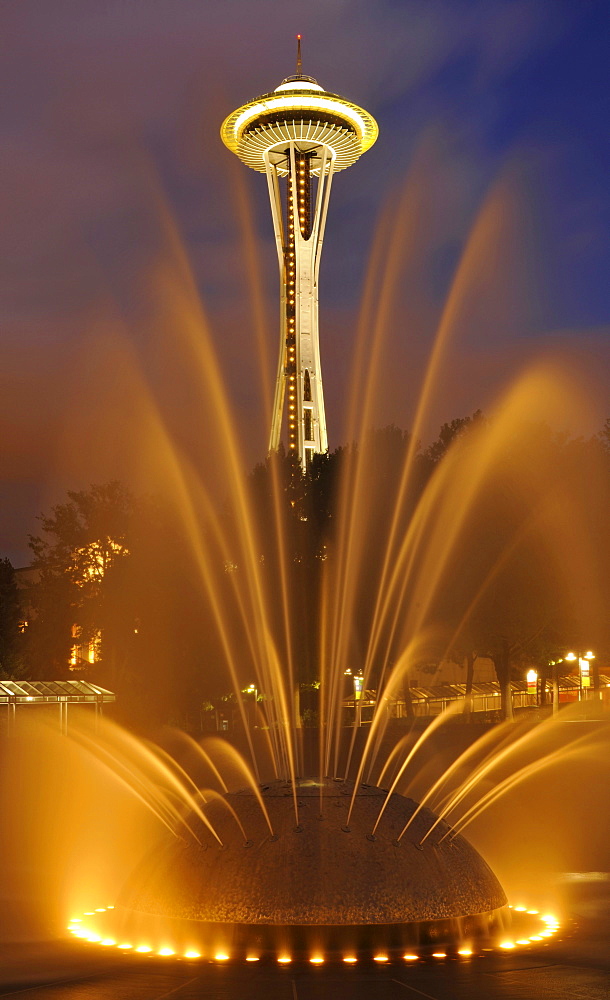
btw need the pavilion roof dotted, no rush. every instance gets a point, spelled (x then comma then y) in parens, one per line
(28, 692)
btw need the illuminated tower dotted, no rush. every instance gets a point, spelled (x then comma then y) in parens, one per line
(304, 134)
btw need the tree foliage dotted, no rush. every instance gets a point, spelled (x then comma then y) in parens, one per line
(11, 638)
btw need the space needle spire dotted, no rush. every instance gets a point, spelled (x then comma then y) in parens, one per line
(299, 135)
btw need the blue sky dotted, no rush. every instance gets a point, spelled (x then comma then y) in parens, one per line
(109, 125)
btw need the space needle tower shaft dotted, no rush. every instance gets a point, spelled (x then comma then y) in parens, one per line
(299, 135)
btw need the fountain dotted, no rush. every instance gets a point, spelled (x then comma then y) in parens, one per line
(307, 854)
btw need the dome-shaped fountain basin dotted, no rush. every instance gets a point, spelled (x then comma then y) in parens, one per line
(322, 870)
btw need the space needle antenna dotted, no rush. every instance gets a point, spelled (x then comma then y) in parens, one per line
(299, 60)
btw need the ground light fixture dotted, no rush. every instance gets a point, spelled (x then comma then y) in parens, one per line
(529, 928)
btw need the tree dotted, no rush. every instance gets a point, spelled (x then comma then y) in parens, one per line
(81, 544)
(11, 626)
(448, 435)
(119, 578)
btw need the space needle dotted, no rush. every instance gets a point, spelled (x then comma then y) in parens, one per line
(304, 134)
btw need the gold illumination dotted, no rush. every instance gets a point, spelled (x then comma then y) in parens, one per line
(347, 148)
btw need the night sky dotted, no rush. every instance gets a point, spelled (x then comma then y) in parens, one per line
(113, 182)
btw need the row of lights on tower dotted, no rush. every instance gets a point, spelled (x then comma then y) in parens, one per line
(291, 325)
(298, 189)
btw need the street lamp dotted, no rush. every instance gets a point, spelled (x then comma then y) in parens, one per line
(253, 690)
(584, 670)
(532, 682)
(358, 683)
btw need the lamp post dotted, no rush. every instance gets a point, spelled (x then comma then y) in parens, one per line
(532, 683)
(253, 690)
(584, 671)
(555, 665)
(358, 682)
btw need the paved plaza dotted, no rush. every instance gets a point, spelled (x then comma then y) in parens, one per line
(577, 967)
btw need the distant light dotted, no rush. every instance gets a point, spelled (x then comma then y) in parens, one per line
(100, 909)
(465, 951)
(166, 951)
(507, 945)
(535, 937)
(125, 947)
(520, 909)
(93, 938)
(76, 920)
(439, 954)
(380, 958)
(252, 958)
(350, 959)
(410, 958)
(143, 949)
(284, 959)
(221, 956)
(108, 941)
(192, 954)
(522, 941)
(533, 911)
(316, 960)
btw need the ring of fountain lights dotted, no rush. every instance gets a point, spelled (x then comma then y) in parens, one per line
(530, 928)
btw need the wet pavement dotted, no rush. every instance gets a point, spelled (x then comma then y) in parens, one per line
(577, 967)
(574, 965)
